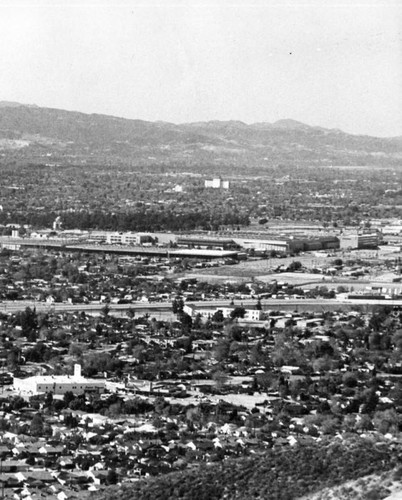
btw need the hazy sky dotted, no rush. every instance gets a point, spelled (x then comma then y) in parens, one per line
(322, 62)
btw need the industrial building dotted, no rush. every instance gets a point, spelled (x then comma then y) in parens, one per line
(251, 313)
(360, 241)
(59, 384)
(394, 229)
(208, 243)
(289, 244)
(216, 183)
(121, 238)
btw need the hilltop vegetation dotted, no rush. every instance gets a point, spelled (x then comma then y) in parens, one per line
(276, 474)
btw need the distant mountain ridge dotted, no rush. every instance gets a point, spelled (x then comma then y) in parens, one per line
(32, 131)
(12, 104)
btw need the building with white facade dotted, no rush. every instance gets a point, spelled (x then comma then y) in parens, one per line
(216, 183)
(59, 384)
(114, 238)
(137, 238)
(394, 229)
(356, 240)
(251, 313)
(121, 238)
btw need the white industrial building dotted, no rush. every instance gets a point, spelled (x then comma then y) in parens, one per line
(216, 183)
(251, 313)
(394, 229)
(121, 238)
(59, 384)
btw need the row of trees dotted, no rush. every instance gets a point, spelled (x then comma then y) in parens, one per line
(134, 220)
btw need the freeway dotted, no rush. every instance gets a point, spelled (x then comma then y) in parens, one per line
(153, 307)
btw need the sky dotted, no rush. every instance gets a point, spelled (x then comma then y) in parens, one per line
(323, 62)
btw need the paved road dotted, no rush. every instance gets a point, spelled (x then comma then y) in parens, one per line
(154, 307)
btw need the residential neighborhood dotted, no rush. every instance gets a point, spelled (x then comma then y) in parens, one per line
(119, 367)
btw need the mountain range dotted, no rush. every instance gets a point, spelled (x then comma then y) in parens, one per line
(34, 133)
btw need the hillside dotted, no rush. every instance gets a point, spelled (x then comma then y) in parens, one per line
(277, 474)
(33, 133)
(384, 486)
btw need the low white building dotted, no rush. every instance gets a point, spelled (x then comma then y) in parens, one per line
(216, 183)
(59, 384)
(114, 238)
(136, 238)
(204, 312)
(250, 313)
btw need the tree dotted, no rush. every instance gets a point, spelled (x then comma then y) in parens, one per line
(222, 349)
(238, 312)
(294, 266)
(186, 322)
(369, 399)
(28, 321)
(105, 310)
(75, 350)
(112, 477)
(177, 306)
(233, 332)
(37, 425)
(349, 379)
(130, 313)
(197, 324)
(397, 339)
(218, 317)
(13, 358)
(49, 399)
(386, 421)
(263, 380)
(68, 397)
(257, 355)
(220, 379)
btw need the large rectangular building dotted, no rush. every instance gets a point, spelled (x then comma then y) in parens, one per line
(58, 384)
(279, 245)
(357, 241)
(290, 244)
(207, 243)
(250, 313)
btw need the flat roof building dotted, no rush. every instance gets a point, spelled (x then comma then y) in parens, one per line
(290, 244)
(365, 240)
(209, 243)
(59, 384)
